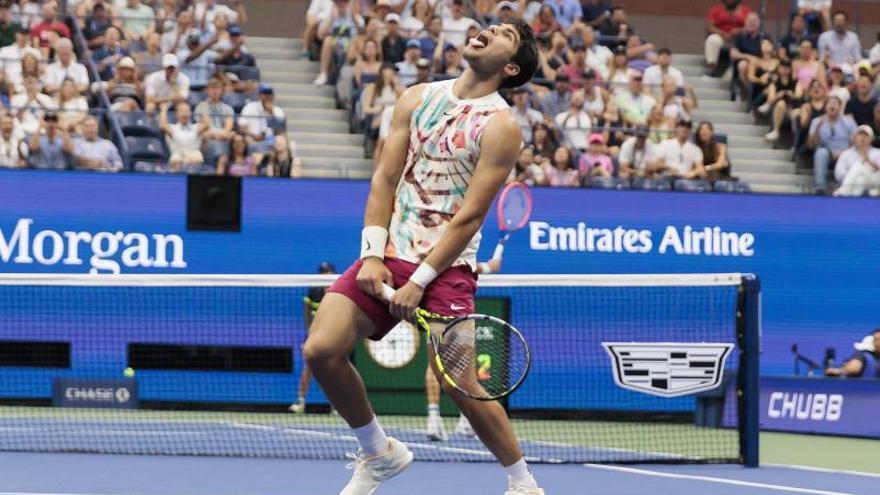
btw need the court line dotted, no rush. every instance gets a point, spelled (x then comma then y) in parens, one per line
(713, 479)
(822, 470)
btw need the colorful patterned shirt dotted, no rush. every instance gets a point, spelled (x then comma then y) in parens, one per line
(444, 149)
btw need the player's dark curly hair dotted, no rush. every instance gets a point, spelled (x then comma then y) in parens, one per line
(526, 57)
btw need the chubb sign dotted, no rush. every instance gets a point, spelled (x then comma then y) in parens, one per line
(102, 252)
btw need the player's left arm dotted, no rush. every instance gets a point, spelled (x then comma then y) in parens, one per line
(499, 152)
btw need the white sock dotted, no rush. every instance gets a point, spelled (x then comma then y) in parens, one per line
(371, 438)
(433, 410)
(519, 473)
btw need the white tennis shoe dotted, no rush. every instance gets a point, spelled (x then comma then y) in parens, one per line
(369, 473)
(514, 489)
(464, 427)
(435, 429)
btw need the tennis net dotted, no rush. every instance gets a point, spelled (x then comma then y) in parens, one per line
(626, 368)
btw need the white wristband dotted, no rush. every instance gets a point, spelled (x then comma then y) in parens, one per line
(373, 241)
(423, 275)
(484, 267)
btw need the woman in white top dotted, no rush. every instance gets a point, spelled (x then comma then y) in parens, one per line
(837, 85)
(184, 137)
(72, 107)
(525, 170)
(575, 123)
(416, 18)
(675, 107)
(595, 96)
(29, 66)
(620, 72)
(378, 99)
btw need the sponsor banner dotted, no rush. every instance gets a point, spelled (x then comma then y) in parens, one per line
(821, 405)
(82, 392)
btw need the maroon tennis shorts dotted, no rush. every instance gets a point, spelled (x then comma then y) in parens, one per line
(450, 294)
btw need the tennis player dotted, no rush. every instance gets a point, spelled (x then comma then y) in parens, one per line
(450, 148)
(315, 295)
(434, 428)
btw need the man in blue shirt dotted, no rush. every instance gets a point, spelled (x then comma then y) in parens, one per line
(50, 145)
(829, 136)
(567, 12)
(865, 363)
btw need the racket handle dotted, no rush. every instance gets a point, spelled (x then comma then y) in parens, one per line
(499, 250)
(387, 292)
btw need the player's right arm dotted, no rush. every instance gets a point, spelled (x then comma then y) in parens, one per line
(382, 189)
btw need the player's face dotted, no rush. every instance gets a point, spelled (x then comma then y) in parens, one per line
(492, 49)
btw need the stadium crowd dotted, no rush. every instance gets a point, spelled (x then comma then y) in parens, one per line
(817, 86)
(174, 76)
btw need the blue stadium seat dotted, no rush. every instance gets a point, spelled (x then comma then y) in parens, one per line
(196, 97)
(652, 184)
(146, 149)
(609, 183)
(138, 124)
(238, 100)
(692, 185)
(731, 186)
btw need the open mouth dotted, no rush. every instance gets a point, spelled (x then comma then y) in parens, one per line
(480, 41)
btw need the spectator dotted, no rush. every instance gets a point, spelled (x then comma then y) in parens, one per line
(168, 85)
(406, 69)
(415, 20)
(678, 157)
(779, 97)
(205, 11)
(654, 75)
(661, 126)
(543, 142)
(595, 12)
(380, 8)
(423, 72)
(366, 69)
(829, 136)
(746, 47)
(258, 118)
(641, 54)
(72, 107)
(837, 84)
(219, 116)
(222, 32)
(237, 161)
(12, 150)
(334, 34)
(237, 60)
(109, 53)
(545, 21)
(867, 354)
(808, 67)
(49, 26)
(26, 12)
(595, 161)
(598, 56)
(576, 67)
(198, 60)
(318, 12)
(282, 160)
(812, 108)
(595, 96)
(31, 105)
(552, 55)
(95, 24)
(876, 125)
(125, 90)
(575, 123)
(637, 154)
(760, 73)
(561, 172)
(816, 13)
(861, 105)
(379, 96)
(65, 67)
(8, 28)
(715, 161)
(634, 104)
(557, 99)
(789, 45)
(858, 168)
(150, 60)
(724, 21)
(432, 37)
(50, 146)
(567, 12)
(450, 63)
(171, 40)
(874, 54)
(29, 66)
(165, 15)
(10, 55)
(616, 26)
(503, 12)
(620, 73)
(456, 25)
(136, 19)
(525, 170)
(840, 46)
(675, 106)
(184, 137)
(393, 45)
(94, 152)
(524, 114)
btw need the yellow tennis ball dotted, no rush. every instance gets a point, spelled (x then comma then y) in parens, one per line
(129, 372)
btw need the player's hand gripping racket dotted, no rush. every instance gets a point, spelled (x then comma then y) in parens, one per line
(481, 356)
(514, 208)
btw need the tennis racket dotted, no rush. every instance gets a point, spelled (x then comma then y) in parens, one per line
(312, 305)
(481, 356)
(514, 209)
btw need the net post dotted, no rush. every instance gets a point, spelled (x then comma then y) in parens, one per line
(749, 335)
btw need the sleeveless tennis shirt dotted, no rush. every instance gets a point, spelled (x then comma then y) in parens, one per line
(444, 148)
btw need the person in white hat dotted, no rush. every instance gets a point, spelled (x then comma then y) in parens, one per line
(858, 168)
(865, 362)
(167, 85)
